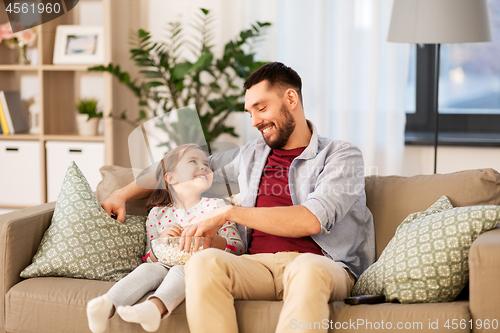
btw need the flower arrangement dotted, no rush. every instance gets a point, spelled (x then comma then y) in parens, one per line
(13, 39)
(18, 40)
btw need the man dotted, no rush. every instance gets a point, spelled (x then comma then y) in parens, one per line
(303, 218)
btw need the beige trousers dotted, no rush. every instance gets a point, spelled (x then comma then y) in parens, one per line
(305, 282)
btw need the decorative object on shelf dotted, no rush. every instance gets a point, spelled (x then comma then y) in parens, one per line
(436, 22)
(34, 110)
(20, 41)
(169, 82)
(88, 116)
(78, 44)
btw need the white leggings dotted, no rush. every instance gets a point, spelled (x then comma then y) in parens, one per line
(170, 288)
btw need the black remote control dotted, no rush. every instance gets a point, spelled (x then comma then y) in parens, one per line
(367, 299)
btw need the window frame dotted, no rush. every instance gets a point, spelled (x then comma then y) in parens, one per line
(458, 129)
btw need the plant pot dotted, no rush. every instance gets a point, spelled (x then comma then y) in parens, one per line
(86, 127)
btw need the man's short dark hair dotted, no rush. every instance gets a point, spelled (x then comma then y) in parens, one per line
(278, 76)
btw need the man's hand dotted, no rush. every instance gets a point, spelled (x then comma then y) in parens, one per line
(115, 205)
(204, 225)
(173, 230)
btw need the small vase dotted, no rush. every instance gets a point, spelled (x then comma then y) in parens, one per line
(86, 127)
(22, 54)
(34, 110)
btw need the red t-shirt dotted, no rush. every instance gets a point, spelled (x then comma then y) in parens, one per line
(274, 191)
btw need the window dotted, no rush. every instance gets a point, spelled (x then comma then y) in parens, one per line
(469, 91)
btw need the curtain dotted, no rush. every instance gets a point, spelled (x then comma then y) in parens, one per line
(354, 81)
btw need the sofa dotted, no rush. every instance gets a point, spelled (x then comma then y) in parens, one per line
(55, 304)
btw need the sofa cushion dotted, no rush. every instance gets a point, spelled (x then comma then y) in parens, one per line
(262, 317)
(430, 317)
(427, 259)
(392, 198)
(83, 241)
(55, 305)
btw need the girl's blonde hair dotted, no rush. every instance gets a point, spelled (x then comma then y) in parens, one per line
(164, 193)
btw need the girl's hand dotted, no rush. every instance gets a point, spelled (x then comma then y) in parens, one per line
(173, 230)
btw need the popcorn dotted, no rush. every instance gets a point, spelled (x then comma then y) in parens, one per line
(169, 254)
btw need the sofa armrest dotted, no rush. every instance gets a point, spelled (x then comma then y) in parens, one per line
(484, 288)
(20, 234)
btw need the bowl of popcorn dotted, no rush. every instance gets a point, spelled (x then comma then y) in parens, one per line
(168, 250)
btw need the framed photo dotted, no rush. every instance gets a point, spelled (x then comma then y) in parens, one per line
(78, 44)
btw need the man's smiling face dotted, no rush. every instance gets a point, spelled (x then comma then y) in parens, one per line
(270, 114)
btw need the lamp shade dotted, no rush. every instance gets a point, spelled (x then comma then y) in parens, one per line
(439, 21)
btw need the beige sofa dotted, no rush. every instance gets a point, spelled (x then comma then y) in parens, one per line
(58, 304)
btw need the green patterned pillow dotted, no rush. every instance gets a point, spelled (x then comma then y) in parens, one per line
(83, 241)
(427, 259)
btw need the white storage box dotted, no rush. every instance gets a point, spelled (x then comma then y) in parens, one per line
(20, 174)
(88, 156)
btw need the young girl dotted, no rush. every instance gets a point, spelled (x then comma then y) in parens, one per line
(185, 174)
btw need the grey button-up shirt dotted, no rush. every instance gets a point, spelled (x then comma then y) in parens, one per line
(328, 179)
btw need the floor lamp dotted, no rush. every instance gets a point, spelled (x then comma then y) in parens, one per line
(437, 22)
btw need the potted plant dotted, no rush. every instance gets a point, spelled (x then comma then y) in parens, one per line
(88, 116)
(169, 82)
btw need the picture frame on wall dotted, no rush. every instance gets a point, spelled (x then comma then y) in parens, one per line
(79, 45)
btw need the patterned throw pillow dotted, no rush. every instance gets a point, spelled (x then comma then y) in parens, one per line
(427, 259)
(83, 241)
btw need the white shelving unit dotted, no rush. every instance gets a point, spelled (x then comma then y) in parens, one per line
(59, 86)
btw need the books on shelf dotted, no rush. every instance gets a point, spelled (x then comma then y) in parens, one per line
(4, 128)
(13, 119)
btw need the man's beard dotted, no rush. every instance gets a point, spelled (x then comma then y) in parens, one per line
(284, 129)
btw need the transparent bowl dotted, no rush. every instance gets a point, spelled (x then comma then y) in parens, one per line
(168, 252)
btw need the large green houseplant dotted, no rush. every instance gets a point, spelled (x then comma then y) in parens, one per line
(170, 82)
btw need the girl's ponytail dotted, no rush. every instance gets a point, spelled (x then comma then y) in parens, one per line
(163, 194)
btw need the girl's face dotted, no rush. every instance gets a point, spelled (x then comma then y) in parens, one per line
(192, 173)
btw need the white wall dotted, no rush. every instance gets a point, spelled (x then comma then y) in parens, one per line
(230, 19)
(161, 12)
(420, 159)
